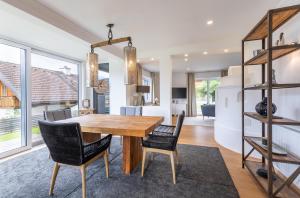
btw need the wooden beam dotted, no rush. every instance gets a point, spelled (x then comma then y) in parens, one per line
(113, 41)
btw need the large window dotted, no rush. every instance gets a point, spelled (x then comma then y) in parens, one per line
(32, 82)
(13, 133)
(205, 93)
(54, 84)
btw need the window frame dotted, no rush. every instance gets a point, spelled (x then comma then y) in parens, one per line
(25, 99)
(26, 89)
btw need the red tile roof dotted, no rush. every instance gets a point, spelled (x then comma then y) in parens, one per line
(48, 86)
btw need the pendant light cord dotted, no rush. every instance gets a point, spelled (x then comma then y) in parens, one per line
(110, 34)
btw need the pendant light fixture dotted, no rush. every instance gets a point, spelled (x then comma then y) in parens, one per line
(130, 64)
(92, 69)
(129, 55)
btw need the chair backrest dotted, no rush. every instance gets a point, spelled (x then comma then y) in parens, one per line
(56, 115)
(179, 123)
(131, 111)
(64, 141)
(68, 113)
(208, 110)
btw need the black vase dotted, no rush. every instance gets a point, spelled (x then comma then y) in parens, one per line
(262, 107)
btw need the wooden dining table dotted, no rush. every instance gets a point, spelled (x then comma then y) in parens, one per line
(131, 128)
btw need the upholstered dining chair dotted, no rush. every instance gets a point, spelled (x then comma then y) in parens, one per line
(163, 144)
(66, 148)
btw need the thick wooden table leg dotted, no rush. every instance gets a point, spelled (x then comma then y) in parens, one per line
(132, 153)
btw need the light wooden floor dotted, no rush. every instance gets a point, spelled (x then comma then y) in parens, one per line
(204, 136)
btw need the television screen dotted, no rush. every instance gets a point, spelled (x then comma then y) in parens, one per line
(179, 93)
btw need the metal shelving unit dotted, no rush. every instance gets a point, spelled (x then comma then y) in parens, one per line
(263, 31)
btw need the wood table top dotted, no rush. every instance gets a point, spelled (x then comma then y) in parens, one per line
(137, 126)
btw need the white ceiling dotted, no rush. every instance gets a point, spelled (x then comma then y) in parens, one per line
(171, 26)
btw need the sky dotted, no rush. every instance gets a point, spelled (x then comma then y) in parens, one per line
(12, 55)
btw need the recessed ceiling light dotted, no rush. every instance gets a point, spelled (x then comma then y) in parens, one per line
(210, 22)
(226, 50)
(205, 53)
(186, 55)
(186, 59)
(152, 59)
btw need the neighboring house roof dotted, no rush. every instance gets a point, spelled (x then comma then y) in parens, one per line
(48, 86)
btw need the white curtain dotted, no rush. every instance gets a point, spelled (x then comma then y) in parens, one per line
(191, 95)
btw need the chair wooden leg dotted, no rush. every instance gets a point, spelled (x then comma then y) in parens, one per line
(177, 156)
(143, 161)
(82, 170)
(106, 163)
(53, 179)
(152, 156)
(173, 167)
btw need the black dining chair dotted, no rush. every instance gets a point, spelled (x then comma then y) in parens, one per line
(163, 144)
(167, 130)
(63, 114)
(66, 147)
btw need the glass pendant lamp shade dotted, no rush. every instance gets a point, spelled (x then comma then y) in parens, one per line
(130, 65)
(92, 70)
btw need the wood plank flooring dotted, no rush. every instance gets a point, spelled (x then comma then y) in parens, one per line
(204, 136)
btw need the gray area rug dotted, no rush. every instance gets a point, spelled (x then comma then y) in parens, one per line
(201, 172)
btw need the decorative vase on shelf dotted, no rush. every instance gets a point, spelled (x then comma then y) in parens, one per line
(262, 107)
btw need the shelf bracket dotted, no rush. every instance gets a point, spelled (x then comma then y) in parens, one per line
(249, 153)
(288, 181)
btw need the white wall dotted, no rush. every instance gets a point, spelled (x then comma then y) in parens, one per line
(165, 92)
(117, 86)
(179, 79)
(207, 75)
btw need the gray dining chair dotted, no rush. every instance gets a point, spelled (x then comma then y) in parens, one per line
(56, 115)
(130, 111)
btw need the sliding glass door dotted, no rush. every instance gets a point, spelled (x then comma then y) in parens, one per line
(13, 98)
(32, 82)
(205, 93)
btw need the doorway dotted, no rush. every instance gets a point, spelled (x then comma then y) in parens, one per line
(205, 93)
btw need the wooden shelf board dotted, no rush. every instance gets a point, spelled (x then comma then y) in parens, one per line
(280, 16)
(276, 120)
(274, 86)
(277, 52)
(289, 158)
(286, 192)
